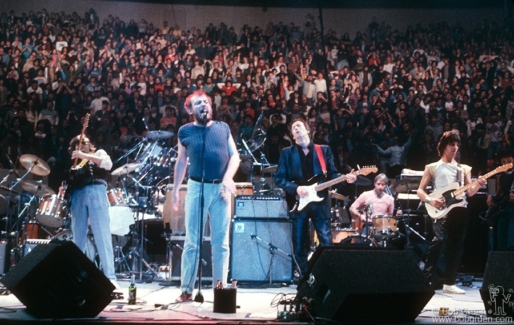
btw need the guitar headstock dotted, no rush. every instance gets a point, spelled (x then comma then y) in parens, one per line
(503, 168)
(86, 121)
(367, 170)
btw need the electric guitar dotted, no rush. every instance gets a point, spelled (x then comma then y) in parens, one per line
(453, 194)
(313, 187)
(76, 170)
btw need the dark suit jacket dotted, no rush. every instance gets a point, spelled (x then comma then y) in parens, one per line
(289, 168)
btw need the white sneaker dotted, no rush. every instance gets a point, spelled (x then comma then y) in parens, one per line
(115, 284)
(453, 290)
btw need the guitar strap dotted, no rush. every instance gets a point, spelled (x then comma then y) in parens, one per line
(460, 175)
(321, 158)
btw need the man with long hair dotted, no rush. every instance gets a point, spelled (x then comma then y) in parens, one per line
(450, 230)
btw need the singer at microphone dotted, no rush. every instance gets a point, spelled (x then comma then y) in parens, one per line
(207, 150)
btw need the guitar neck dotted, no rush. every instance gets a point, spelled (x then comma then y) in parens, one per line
(329, 183)
(466, 187)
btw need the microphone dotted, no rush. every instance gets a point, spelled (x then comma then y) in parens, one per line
(253, 236)
(204, 112)
(144, 121)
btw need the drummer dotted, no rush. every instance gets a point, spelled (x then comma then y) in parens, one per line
(372, 203)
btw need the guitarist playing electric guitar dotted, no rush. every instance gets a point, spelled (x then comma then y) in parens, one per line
(450, 230)
(501, 206)
(299, 163)
(88, 201)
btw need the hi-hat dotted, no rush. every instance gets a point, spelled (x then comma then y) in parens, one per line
(159, 134)
(40, 167)
(125, 169)
(338, 196)
(37, 188)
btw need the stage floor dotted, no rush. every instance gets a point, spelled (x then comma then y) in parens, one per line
(256, 305)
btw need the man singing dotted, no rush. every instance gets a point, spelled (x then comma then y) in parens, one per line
(213, 158)
(450, 230)
(299, 163)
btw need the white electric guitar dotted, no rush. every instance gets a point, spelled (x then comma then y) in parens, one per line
(313, 187)
(453, 194)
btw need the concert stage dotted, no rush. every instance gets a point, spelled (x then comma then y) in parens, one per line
(256, 305)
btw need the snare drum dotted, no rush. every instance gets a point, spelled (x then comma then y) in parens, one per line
(117, 197)
(52, 211)
(385, 226)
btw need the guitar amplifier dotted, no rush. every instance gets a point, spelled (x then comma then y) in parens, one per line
(260, 206)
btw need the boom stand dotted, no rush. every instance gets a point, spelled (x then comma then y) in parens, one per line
(272, 250)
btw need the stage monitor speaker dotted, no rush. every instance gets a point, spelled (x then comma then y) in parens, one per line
(366, 286)
(177, 243)
(58, 281)
(260, 206)
(260, 248)
(497, 290)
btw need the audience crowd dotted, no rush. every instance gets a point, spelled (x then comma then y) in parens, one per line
(382, 97)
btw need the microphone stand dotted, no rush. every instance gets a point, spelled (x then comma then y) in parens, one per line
(199, 295)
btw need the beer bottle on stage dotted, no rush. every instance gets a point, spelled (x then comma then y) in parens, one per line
(132, 291)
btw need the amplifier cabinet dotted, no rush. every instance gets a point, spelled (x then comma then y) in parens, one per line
(260, 206)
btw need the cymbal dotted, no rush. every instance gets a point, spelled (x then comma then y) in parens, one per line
(40, 168)
(270, 169)
(255, 143)
(159, 134)
(338, 196)
(37, 188)
(363, 181)
(125, 169)
(404, 186)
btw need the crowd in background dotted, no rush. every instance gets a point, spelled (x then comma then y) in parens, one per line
(382, 97)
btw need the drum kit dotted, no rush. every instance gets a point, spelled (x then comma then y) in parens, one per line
(145, 179)
(33, 211)
(378, 230)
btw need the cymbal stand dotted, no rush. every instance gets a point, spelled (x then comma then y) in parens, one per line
(127, 154)
(262, 183)
(9, 198)
(264, 162)
(137, 248)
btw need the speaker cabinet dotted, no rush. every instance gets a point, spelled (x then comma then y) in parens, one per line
(177, 243)
(261, 248)
(497, 290)
(58, 281)
(260, 206)
(366, 286)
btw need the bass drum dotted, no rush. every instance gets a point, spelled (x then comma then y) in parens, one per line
(358, 241)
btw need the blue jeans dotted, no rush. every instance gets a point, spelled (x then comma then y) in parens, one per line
(319, 213)
(217, 206)
(91, 202)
